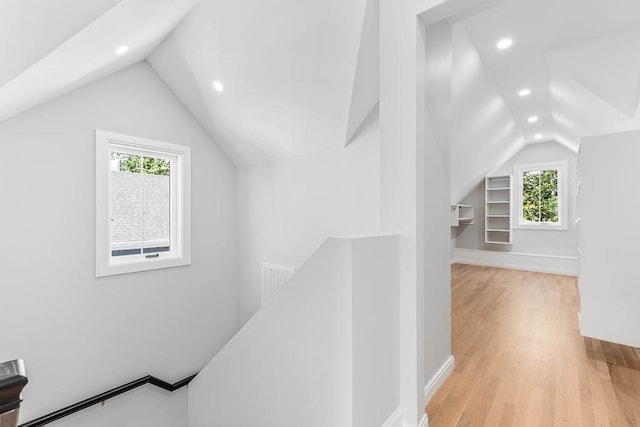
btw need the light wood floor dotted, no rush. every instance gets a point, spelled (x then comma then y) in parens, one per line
(520, 359)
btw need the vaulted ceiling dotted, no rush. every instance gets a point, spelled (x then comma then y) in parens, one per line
(301, 76)
(52, 47)
(579, 58)
(287, 68)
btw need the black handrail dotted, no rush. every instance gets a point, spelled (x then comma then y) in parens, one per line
(99, 398)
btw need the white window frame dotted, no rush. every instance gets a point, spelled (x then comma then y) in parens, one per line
(180, 254)
(518, 170)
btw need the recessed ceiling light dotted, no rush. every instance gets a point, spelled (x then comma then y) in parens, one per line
(122, 49)
(504, 44)
(218, 86)
(533, 119)
(524, 92)
(538, 136)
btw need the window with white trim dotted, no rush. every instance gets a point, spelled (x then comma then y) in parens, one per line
(143, 194)
(541, 196)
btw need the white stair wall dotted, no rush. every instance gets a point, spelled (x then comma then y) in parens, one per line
(321, 351)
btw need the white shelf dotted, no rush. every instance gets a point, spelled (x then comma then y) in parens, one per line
(498, 228)
(461, 214)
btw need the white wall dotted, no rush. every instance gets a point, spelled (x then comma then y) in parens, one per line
(484, 134)
(77, 334)
(321, 352)
(609, 251)
(400, 188)
(545, 242)
(375, 323)
(437, 172)
(290, 365)
(288, 207)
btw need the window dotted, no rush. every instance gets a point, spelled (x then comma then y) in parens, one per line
(143, 193)
(541, 196)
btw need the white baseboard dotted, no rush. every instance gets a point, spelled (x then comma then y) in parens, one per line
(554, 264)
(395, 420)
(436, 381)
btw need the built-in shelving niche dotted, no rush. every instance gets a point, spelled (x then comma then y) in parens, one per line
(498, 210)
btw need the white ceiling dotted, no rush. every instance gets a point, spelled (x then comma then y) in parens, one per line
(298, 76)
(301, 76)
(579, 58)
(59, 45)
(288, 69)
(30, 29)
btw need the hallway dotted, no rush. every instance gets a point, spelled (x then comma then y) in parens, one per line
(520, 360)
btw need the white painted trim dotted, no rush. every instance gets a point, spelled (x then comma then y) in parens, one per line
(395, 420)
(563, 195)
(438, 379)
(180, 254)
(540, 263)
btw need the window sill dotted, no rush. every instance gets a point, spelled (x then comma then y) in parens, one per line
(141, 265)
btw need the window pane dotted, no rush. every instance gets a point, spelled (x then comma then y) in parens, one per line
(156, 205)
(125, 162)
(154, 166)
(126, 208)
(530, 196)
(549, 196)
(540, 196)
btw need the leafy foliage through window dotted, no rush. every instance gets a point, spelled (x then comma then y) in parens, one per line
(132, 163)
(540, 196)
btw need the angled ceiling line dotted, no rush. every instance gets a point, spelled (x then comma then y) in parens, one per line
(365, 90)
(495, 85)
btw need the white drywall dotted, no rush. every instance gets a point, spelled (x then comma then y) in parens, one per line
(542, 242)
(399, 188)
(287, 207)
(485, 134)
(79, 335)
(288, 69)
(375, 324)
(143, 407)
(609, 251)
(366, 91)
(322, 352)
(437, 166)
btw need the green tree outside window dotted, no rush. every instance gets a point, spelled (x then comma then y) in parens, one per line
(540, 196)
(133, 163)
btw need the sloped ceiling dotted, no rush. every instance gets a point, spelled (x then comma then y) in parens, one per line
(61, 45)
(366, 87)
(298, 76)
(484, 132)
(45, 24)
(287, 67)
(579, 58)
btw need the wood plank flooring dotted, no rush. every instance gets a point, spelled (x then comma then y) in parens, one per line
(520, 359)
